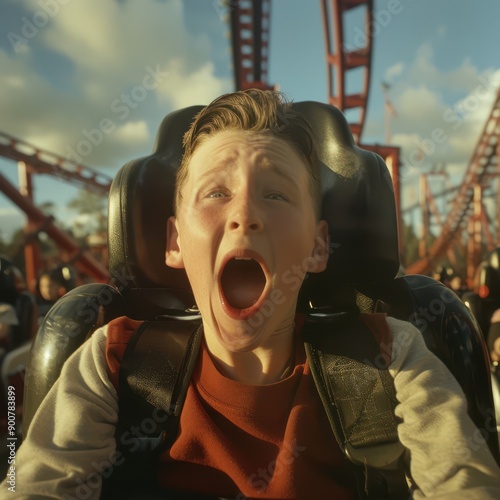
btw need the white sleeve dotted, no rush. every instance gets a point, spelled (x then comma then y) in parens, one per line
(71, 438)
(449, 458)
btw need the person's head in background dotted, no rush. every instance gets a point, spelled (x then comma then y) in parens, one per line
(51, 285)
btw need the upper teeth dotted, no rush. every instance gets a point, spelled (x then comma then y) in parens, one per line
(242, 258)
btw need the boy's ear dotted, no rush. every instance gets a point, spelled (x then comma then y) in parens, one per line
(320, 253)
(173, 256)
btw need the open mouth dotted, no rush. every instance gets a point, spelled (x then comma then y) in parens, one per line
(242, 282)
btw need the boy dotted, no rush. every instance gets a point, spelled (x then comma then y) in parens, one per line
(252, 426)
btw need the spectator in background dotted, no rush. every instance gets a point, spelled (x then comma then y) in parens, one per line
(8, 319)
(52, 285)
(458, 285)
(11, 284)
(443, 274)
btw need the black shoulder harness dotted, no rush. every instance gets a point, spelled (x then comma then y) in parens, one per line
(358, 394)
(154, 377)
(354, 385)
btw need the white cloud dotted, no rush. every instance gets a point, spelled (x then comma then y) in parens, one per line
(430, 132)
(423, 70)
(406, 142)
(418, 103)
(136, 132)
(108, 49)
(430, 128)
(393, 71)
(180, 89)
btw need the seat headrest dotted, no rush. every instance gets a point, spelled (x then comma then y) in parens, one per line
(358, 204)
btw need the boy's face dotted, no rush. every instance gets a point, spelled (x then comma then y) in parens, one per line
(246, 233)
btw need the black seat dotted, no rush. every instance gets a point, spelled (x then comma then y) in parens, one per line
(358, 203)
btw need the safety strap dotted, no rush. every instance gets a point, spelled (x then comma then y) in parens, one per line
(154, 377)
(358, 395)
(356, 390)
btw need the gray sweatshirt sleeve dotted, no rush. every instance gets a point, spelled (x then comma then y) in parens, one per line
(71, 438)
(448, 456)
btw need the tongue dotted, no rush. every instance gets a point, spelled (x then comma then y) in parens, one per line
(242, 283)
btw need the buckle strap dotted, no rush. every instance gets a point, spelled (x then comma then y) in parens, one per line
(359, 399)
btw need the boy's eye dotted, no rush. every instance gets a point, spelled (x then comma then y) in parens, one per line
(276, 196)
(217, 194)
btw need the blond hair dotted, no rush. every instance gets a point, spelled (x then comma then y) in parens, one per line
(259, 111)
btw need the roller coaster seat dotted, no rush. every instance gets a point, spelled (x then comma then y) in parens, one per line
(358, 204)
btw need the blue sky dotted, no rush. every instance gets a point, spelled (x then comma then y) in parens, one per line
(65, 66)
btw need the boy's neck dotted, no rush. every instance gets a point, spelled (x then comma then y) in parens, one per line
(262, 366)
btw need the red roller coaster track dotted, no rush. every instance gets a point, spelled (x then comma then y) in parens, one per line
(250, 43)
(483, 165)
(37, 161)
(250, 28)
(341, 61)
(43, 162)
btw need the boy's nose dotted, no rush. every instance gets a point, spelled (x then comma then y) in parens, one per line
(246, 217)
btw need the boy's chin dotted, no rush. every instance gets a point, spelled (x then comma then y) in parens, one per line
(241, 337)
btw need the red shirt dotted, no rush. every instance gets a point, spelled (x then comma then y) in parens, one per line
(243, 441)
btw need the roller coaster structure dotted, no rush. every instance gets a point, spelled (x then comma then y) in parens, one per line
(250, 34)
(32, 161)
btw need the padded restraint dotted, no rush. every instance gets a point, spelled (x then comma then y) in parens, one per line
(154, 378)
(351, 377)
(358, 395)
(156, 369)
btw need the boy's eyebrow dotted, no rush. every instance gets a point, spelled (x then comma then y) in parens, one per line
(285, 174)
(270, 165)
(214, 170)
(273, 168)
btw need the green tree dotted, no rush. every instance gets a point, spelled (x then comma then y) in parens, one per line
(95, 207)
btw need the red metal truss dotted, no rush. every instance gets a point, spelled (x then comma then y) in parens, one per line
(483, 166)
(250, 43)
(82, 260)
(37, 161)
(342, 56)
(43, 162)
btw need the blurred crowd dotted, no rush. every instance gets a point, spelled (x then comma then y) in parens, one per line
(483, 298)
